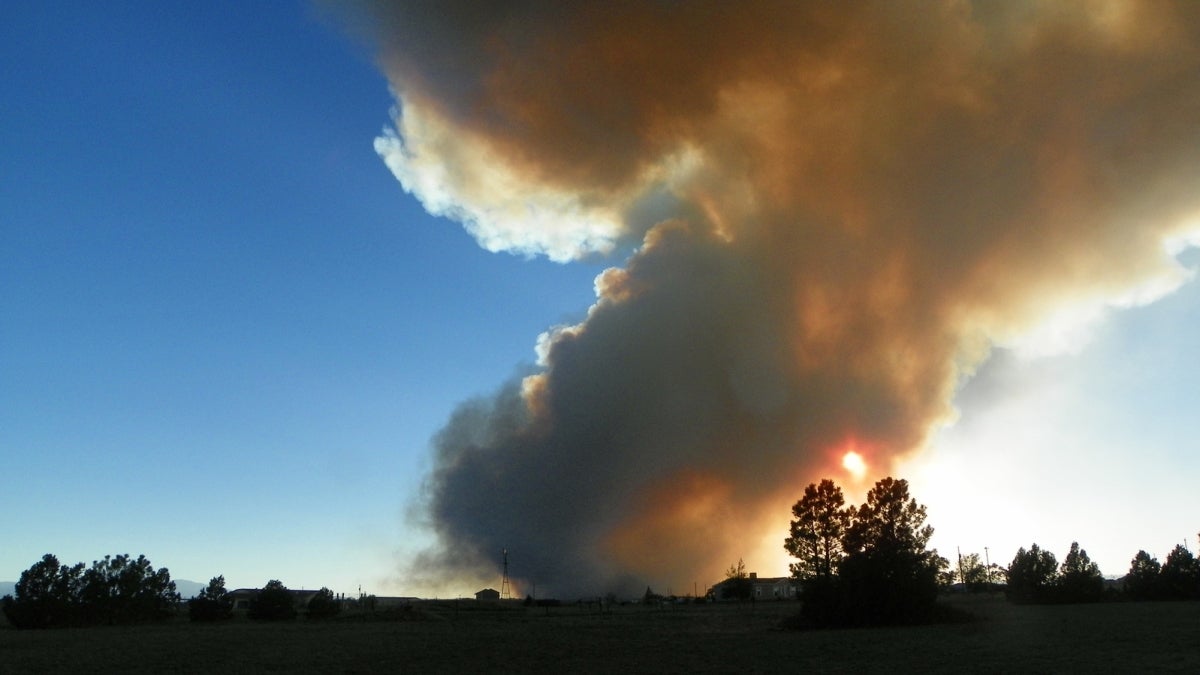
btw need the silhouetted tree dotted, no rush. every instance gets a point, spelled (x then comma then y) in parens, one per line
(1142, 582)
(972, 572)
(1180, 576)
(114, 590)
(888, 575)
(816, 534)
(272, 603)
(323, 605)
(118, 589)
(1032, 575)
(947, 577)
(46, 595)
(1079, 579)
(737, 584)
(212, 604)
(816, 541)
(878, 571)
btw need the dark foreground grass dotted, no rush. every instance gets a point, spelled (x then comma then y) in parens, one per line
(445, 638)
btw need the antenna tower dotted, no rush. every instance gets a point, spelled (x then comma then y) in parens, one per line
(505, 592)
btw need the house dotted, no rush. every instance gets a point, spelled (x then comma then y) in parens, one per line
(242, 597)
(488, 594)
(764, 588)
(774, 588)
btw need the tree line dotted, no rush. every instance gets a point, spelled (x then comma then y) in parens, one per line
(870, 564)
(1036, 577)
(123, 590)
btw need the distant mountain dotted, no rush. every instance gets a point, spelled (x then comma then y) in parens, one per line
(187, 589)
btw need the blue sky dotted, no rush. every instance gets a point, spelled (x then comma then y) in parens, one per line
(227, 335)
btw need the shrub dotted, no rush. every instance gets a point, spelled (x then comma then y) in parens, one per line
(323, 605)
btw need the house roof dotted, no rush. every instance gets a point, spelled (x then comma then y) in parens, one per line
(251, 592)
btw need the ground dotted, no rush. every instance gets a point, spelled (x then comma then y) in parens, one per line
(466, 636)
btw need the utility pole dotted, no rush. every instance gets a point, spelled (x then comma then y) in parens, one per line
(504, 590)
(988, 559)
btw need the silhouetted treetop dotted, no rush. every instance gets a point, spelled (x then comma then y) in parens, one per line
(1142, 582)
(212, 604)
(117, 589)
(273, 603)
(1079, 579)
(817, 530)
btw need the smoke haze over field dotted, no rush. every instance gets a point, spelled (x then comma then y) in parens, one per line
(835, 211)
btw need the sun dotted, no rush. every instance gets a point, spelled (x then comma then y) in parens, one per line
(855, 464)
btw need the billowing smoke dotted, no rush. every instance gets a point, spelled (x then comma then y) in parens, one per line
(831, 212)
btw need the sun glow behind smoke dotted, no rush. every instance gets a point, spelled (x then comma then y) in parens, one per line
(855, 464)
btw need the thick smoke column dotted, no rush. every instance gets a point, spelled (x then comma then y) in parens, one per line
(837, 208)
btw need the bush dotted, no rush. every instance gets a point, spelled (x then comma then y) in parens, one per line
(885, 588)
(323, 605)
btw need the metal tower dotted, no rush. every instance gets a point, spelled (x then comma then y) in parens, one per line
(505, 592)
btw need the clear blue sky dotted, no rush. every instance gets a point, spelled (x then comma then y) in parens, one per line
(227, 335)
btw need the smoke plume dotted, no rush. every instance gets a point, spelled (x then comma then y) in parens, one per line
(832, 212)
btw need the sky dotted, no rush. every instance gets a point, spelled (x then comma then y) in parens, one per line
(648, 311)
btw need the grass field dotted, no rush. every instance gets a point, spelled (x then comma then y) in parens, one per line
(449, 637)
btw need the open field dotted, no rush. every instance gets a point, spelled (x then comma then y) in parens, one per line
(463, 637)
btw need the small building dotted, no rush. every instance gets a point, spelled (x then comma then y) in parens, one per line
(487, 594)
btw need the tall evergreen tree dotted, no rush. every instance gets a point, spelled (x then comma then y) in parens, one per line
(1142, 582)
(815, 539)
(889, 575)
(865, 565)
(1032, 575)
(1079, 579)
(1181, 575)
